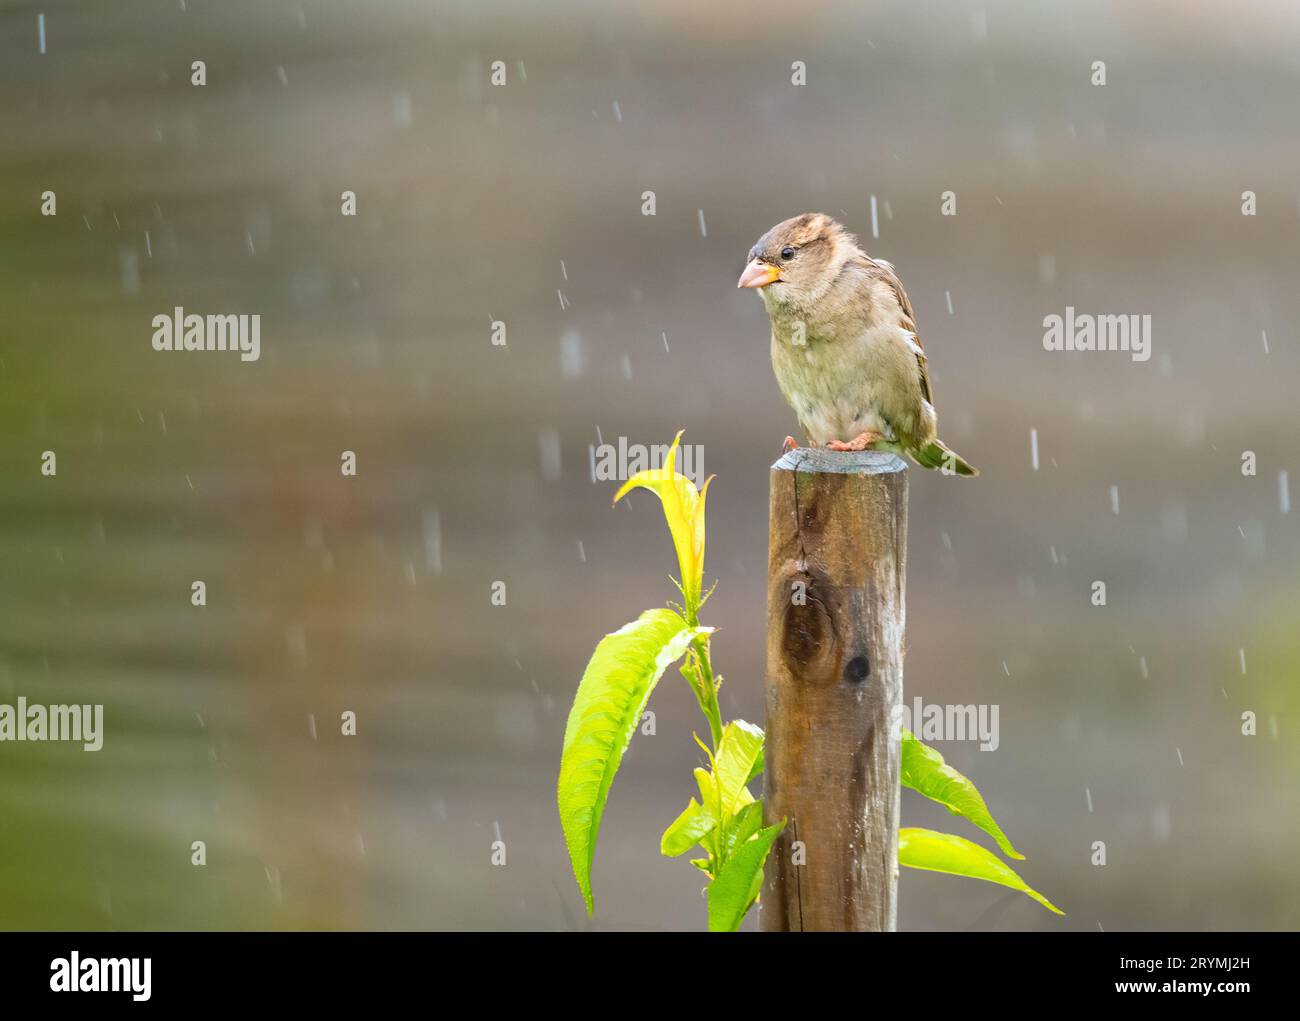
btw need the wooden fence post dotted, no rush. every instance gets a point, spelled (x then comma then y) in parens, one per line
(837, 549)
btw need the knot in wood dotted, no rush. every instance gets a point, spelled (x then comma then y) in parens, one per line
(808, 639)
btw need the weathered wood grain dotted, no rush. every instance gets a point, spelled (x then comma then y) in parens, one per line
(837, 551)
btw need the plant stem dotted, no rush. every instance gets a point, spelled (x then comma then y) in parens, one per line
(710, 702)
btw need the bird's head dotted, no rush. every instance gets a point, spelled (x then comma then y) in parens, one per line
(797, 260)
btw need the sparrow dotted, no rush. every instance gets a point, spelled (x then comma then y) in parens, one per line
(844, 345)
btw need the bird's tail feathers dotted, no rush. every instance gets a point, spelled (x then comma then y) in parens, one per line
(936, 454)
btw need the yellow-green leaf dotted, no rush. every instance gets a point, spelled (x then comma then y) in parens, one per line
(683, 507)
(687, 830)
(611, 696)
(736, 888)
(957, 856)
(925, 772)
(740, 827)
(738, 751)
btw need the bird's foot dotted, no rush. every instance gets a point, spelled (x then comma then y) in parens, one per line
(861, 441)
(789, 444)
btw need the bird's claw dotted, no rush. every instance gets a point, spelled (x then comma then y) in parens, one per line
(789, 444)
(859, 442)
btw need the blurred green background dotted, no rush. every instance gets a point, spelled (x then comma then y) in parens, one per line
(522, 203)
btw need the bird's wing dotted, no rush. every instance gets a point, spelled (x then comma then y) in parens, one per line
(884, 272)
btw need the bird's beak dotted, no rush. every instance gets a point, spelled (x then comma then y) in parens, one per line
(758, 274)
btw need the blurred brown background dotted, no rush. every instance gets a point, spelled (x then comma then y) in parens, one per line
(522, 203)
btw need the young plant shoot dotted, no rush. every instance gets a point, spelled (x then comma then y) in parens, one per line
(726, 821)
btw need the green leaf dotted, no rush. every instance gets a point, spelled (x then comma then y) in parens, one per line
(708, 788)
(757, 769)
(925, 772)
(687, 830)
(611, 696)
(736, 888)
(947, 852)
(709, 800)
(741, 747)
(743, 825)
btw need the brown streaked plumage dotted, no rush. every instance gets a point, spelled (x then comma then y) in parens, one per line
(844, 344)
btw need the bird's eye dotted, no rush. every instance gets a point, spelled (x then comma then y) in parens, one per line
(787, 253)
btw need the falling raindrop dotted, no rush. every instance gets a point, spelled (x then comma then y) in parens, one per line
(431, 526)
(128, 261)
(1160, 823)
(273, 881)
(1253, 534)
(571, 356)
(549, 442)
